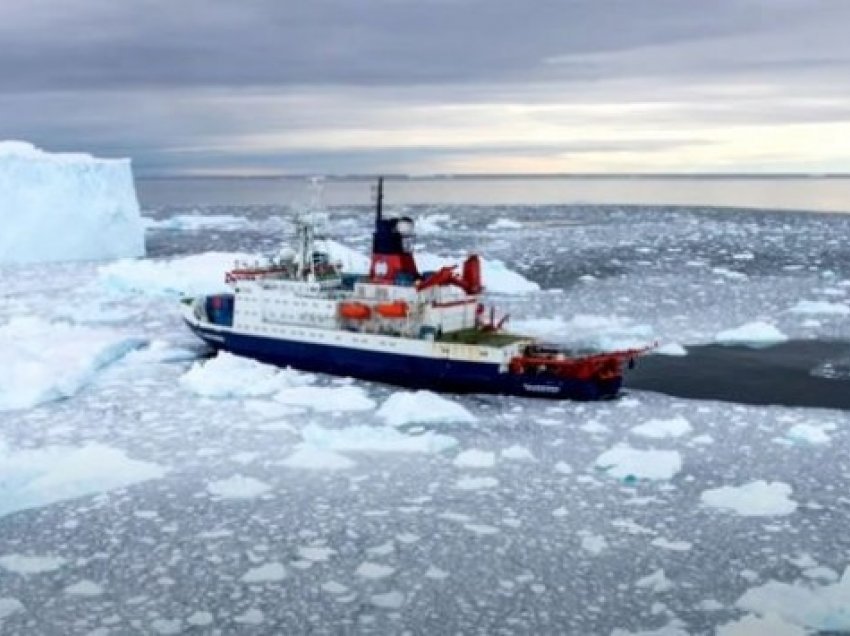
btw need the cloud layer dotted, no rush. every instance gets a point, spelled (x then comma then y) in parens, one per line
(213, 86)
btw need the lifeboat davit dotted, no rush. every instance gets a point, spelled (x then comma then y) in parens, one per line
(354, 311)
(397, 309)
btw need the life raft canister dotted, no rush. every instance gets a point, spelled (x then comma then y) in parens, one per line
(396, 309)
(354, 311)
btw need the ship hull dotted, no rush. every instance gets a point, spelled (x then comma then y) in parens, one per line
(412, 371)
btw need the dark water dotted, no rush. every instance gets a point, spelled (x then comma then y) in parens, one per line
(798, 373)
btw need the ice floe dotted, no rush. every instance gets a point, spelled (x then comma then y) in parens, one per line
(9, 606)
(752, 334)
(752, 625)
(754, 499)
(627, 463)
(655, 582)
(422, 407)
(45, 361)
(659, 429)
(376, 439)
(84, 588)
(313, 458)
(238, 487)
(227, 375)
(266, 573)
(475, 458)
(811, 433)
(29, 564)
(31, 478)
(820, 308)
(517, 453)
(822, 608)
(326, 399)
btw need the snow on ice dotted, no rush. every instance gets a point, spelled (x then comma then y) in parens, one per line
(63, 207)
(44, 361)
(627, 463)
(754, 499)
(422, 407)
(37, 477)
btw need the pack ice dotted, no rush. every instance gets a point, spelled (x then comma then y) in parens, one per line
(61, 207)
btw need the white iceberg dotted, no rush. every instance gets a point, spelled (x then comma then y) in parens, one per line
(62, 207)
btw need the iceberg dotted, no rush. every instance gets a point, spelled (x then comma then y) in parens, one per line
(63, 207)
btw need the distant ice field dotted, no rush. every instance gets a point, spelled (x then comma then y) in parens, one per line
(161, 491)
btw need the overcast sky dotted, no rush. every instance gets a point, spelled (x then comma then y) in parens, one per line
(432, 86)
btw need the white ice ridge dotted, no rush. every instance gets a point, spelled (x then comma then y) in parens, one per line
(624, 462)
(30, 478)
(184, 276)
(45, 361)
(755, 499)
(422, 407)
(752, 334)
(597, 332)
(62, 207)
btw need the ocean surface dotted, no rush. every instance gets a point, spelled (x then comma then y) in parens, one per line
(147, 488)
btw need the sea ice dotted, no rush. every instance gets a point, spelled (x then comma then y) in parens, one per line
(625, 462)
(9, 606)
(376, 439)
(266, 573)
(370, 570)
(30, 478)
(504, 224)
(238, 487)
(61, 207)
(313, 458)
(811, 433)
(388, 600)
(671, 349)
(604, 333)
(659, 429)
(195, 222)
(44, 361)
(28, 564)
(475, 458)
(476, 483)
(752, 334)
(182, 276)
(227, 376)
(84, 588)
(517, 453)
(422, 407)
(820, 608)
(820, 308)
(325, 399)
(656, 582)
(754, 499)
(751, 625)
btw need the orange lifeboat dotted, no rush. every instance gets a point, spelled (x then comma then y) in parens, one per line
(354, 311)
(396, 309)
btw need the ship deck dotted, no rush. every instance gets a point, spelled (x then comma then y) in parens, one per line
(478, 337)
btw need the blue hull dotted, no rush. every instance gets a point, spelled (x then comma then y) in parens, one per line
(416, 372)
